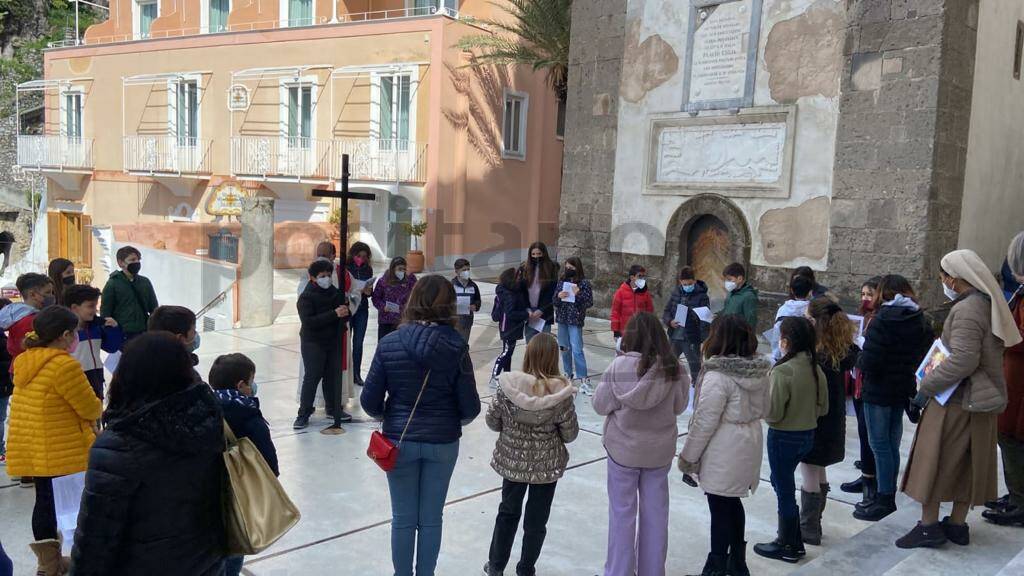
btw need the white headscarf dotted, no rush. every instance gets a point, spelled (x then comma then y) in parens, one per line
(1015, 255)
(966, 265)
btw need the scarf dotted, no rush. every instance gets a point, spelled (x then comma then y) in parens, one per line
(967, 266)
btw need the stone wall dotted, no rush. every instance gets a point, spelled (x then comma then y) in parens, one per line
(902, 142)
(13, 217)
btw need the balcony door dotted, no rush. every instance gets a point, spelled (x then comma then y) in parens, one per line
(218, 15)
(71, 150)
(300, 12)
(299, 145)
(425, 7)
(187, 152)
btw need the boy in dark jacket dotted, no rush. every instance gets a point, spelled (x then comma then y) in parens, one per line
(323, 311)
(467, 296)
(510, 312)
(232, 378)
(742, 297)
(36, 293)
(6, 385)
(128, 297)
(687, 339)
(94, 333)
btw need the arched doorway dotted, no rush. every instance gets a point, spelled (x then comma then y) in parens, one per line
(707, 232)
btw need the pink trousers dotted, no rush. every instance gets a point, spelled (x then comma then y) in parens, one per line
(637, 521)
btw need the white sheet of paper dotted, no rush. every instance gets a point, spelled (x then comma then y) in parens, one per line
(681, 314)
(462, 305)
(705, 314)
(67, 499)
(358, 285)
(567, 288)
(111, 362)
(392, 307)
(538, 324)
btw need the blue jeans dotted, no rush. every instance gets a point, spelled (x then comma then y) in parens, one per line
(785, 450)
(530, 332)
(419, 485)
(4, 401)
(233, 565)
(357, 327)
(570, 340)
(885, 432)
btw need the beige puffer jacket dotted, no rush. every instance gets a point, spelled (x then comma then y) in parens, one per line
(975, 357)
(533, 430)
(725, 441)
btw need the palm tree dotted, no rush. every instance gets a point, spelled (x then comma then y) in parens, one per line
(537, 35)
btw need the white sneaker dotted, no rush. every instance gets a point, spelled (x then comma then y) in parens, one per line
(493, 383)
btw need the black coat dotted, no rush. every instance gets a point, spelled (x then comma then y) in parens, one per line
(695, 331)
(895, 342)
(320, 322)
(830, 435)
(511, 304)
(152, 499)
(547, 295)
(402, 360)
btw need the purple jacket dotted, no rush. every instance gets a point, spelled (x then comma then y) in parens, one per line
(640, 430)
(396, 293)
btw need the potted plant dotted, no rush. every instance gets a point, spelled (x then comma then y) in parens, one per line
(334, 218)
(414, 259)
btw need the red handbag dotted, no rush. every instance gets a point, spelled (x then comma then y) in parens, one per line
(384, 452)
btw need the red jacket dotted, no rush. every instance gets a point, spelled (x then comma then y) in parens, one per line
(16, 337)
(628, 302)
(1011, 421)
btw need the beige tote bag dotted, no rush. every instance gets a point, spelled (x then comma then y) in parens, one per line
(257, 511)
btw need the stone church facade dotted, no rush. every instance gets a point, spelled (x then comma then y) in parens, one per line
(836, 134)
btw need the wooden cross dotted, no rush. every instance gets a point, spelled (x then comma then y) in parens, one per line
(345, 196)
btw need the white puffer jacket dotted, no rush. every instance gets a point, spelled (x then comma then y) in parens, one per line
(725, 443)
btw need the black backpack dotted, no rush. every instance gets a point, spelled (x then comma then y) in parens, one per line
(496, 309)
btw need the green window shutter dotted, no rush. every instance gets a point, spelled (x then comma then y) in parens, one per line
(387, 85)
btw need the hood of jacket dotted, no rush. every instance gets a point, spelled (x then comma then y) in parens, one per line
(749, 373)
(530, 408)
(188, 422)
(436, 347)
(12, 313)
(643, 393)
(32, 360)
(898, 314)
(792, 308)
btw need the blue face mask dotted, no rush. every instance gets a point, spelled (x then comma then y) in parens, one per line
(195, 343)
(689, 289)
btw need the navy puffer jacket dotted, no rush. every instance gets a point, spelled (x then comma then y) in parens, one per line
(399, 366)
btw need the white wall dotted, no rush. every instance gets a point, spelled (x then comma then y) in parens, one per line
(994, 183)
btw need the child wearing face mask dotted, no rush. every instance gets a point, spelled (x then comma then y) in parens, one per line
(741, 296)
(36, 293)
(129, 297)
(570, 317)
(631, 297)
(866, 484)
(233, 379)
(360, 270)
(687, 340)
(95, 334)
(390, 294)
(53, 422)
(324, 314)
(467, 293)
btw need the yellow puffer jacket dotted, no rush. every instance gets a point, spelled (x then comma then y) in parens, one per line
(52, 409)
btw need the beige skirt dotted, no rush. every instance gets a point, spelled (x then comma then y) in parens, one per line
(953, 458)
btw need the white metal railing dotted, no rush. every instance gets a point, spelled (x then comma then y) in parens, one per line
(281, 157)
(381, 159)
(55, 152)
(343, 18)
(166, 154)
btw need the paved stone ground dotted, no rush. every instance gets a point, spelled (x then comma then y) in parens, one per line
(344, 500)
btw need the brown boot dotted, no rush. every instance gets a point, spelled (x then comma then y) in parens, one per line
(48, 557)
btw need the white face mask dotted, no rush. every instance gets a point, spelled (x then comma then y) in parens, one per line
(324, 282)
(949, 292)
(400, 274)
(640, 283)
(730, 285)
(464, 274)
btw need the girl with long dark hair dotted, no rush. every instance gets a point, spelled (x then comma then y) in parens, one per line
(571, 317)
(390, 294)
(539, 281)
(799, 396)
(358, 265)
(62, 273)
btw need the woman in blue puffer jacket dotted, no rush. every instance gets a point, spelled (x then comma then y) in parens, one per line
(425, 359)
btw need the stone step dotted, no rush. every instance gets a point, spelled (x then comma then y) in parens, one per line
(994, 550)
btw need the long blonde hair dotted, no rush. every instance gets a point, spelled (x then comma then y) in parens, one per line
(541, 362)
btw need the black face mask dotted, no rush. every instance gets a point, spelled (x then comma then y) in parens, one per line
(570, 273)
(134, 268)
(535, 261)
(68, 280)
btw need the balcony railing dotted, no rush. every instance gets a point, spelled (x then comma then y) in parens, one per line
(55, 152)
(343, 18)
(382, 160)
(166, 155)
(281, 157)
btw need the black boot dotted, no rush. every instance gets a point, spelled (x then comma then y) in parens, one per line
(788, 547)
(883, 505)
(795, 540)
(959, 534)
(870, 493)
(923, 536)
(1008, 516)
(1001, 502)
(854, 487)
(811, 504)
(714, 566)
(736, 565)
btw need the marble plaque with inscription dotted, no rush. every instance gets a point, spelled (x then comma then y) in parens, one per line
(722, 53)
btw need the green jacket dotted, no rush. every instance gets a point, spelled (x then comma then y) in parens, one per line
(130, 302)
(743, 301)
(796, 403)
